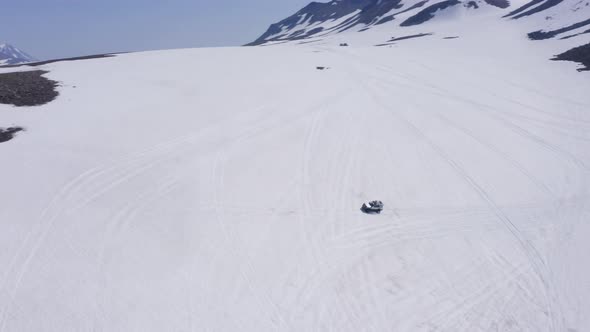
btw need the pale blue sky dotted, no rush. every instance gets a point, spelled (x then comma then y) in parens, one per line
(62, 28)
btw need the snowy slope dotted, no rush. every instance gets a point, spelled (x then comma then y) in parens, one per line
(10, 55)
(219, 189)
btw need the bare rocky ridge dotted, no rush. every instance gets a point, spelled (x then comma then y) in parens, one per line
(40, 63)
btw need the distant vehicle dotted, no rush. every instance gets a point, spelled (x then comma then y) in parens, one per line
(343, 44)
(372, 207)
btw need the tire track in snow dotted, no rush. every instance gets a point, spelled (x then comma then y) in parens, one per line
(179, 147)
(577, 116)
(304, 216)
(442, 318)
(53, 211)
(231, 236)
(530, 251)
(319, 277)
(265, 302)
(323, 275)
(504, 156)
(117, 173)
(392, 235)
(305, 196)
(120, 222)
(543, 143)
(312, 112)
(306, 182)
(74, 186)
(366, 275)
(448, 95)
(535, 259)
(344, 171)
(558, 151)
(425, 86)
(372, 229)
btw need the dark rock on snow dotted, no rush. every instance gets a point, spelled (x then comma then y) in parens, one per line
(540, 35)
(579, 54)
(6, 134)
(27, 88)
(530, 9)
(395, 39)
(428, 13)
(498, 3)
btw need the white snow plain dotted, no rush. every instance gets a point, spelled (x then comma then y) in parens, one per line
(219, 190)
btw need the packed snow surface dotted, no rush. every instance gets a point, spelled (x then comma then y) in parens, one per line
(219, 190)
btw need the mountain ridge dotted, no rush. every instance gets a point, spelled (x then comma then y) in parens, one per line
(321, 19)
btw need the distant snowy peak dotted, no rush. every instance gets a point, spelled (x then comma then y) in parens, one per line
(322, 19)
(10, 55)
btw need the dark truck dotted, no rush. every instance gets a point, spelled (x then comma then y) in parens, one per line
(372, 207)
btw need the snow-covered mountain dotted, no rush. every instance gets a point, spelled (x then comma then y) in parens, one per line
(10, 55)
(219, 189)
(543, 19)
